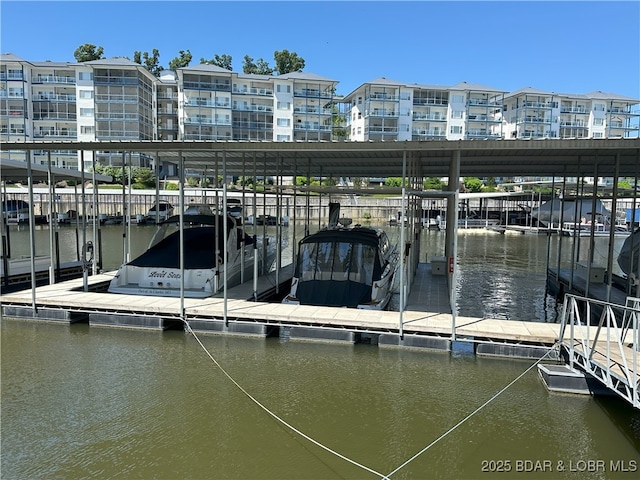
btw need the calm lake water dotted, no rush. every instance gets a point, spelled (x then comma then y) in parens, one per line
(91, 402)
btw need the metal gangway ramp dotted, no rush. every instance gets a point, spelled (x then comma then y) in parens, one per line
(602, 339)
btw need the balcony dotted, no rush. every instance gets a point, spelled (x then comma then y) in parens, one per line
(472, 117)
(53, 97)
(254, 107)
(577, 123)
(104, 80)
(573, 109)
(205, 137)
(243, 90)
(53, 79)
(383, 96)
(167, 96)
(117, 116)
(11, 76)
(117, 98)
(544, 105)
(252, 125)
(430, 101)
(12, 112)
(380, 129)
(312, 126)
(381, 112)
(54, 116)
(417, 117)
(63, 132)
(428, 133)
(217, 86)
(311, 93)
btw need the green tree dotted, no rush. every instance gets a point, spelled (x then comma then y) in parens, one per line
(287, 62)
(88, 52)
(144, 177)
(151, 62)
(302, 181)
(624, 185)
(393, 182)
(222, 61)
(473, 184)
(182, 60)
(261, 67)
(433, 183)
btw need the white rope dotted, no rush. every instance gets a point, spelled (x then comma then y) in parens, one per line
(276, 417)
(470, 415)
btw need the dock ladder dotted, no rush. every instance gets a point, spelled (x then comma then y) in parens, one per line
(602, 339)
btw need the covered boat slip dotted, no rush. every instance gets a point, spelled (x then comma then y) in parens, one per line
(412, 161)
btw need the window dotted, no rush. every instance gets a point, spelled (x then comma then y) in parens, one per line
(283, 138)
(457, 98)
(457, 114)
(598, 107)
(85, 76)
(597, 135)
(284, 106)
(86, 129)
(86, 93)
(283, 88)
(456, 129)
(598, 122)
(284, 122)
(86, 112)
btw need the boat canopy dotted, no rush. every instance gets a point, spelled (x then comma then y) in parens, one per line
(338, 267)
(199, 243)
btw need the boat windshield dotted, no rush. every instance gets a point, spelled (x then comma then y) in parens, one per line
(340, 261)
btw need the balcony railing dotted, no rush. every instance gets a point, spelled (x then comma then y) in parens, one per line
(311, 93)
(54, 116)
(224, 87)
(433, 132)
(379, 129)
(53, 79)
(167, 96)
(313, 126)
(55, 133)
(53, 97)
(117, 116)
(254, 107)
(430, 101)
(99, 79)
(381, 112)
(565, 109)
(12, 112)
(117, 98)
(263, 92)
(428, 117)
(205, 137)
(5, 94)
(312, 110)
(252, 125)
(11, 76)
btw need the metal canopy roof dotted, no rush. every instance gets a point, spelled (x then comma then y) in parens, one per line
(478, 158)
(17, 171)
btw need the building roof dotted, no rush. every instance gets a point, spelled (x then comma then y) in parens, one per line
(311, 77)
(474, 87)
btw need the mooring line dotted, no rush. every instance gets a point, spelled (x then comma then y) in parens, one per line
(276, 417)
(471, 414)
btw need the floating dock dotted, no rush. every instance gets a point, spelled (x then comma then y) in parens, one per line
(426, 323)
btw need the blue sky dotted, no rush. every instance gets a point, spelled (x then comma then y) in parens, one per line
(564, 47)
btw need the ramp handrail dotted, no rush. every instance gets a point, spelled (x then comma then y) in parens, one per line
(608, 349)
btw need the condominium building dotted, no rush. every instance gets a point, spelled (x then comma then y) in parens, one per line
(387, 110)
(531, 113)
(117, 99)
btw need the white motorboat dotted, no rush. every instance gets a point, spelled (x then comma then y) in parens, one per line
(345, 267)
(157, 271)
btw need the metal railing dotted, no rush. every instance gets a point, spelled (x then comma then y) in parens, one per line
(602, 339)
